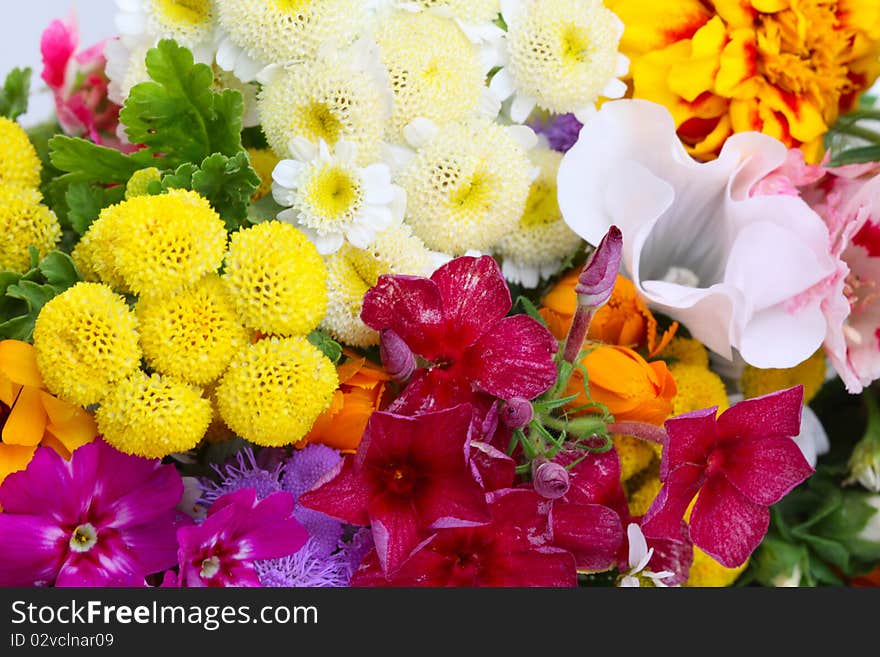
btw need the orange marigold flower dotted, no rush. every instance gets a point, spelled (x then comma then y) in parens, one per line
(361, 387)
(625, 320)
(30, 416)
(787, 68)
(631, 387)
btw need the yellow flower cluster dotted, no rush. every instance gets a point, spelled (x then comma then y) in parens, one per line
(263, 160)
(811, 374)
(24, 220)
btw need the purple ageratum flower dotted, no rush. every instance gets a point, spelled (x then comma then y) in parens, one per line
(242, 472)
(561, 131)
(239, 530)
(311, 567)
(103, 518)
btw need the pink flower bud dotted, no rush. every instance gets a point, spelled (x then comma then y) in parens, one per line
(549, 479)
(516, 413)
(596, 281)
(397, 358)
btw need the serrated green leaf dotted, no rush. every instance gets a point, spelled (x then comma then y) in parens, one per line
(59, 270)
(85, 202)
(828, 550)
(228, 183)
(91, 162)
(14, 95)
(328, 346)
(266, 209)
(177, 115)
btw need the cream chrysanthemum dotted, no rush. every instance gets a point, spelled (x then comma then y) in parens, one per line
(338, 96)
(277, 279)
(467, 184)
(158, 244)
(262, 32)
(436, 72)
(331, 199)
(541, 240)
(19, 164)
(126, 67)
(560, 55)
(189, 22)
(191, 335)
(351, 272)
(153, 416)
(86, 339)
(24, 222)
(274, 390)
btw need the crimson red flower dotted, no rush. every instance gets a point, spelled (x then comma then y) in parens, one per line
(411, 476)
(513, 550)
(737, 465)
(456, 320)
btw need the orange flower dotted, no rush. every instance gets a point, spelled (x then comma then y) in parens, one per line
(361, 384)
(625, 320)
(631, 387)
(30, 416)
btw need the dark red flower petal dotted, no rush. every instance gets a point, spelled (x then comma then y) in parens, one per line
(475, 296)
(514, 358)
(491, 467)
(426, 567)
(439, 442)
(412, 307)
(539, 567)
(663, 519)
(692, 437)
(725, 525)
(397, 532)
(345, 496)
(595, 479)
(433, 390)
(591, 532)
(776, 414)
(764, 469)
(452, 500)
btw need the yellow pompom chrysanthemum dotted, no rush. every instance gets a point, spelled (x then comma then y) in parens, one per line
(24, 222)
(351, 272)
(94, 257)
(697, 387)
(467, 186)
(435, 70)
(19, 164)
(541, 240)
(153, 416)
(193, 334)
(158, 244)
(706, 572)
(140, 180)
(643, 490)
(635, 455)
(687, 351)
(275, 389)
(277, 279)
(810, 373)
(85, 340)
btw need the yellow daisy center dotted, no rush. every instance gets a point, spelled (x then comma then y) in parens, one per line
(333, 194)
(475, 196)
(574, 46)
(291, 6)
(184, 11)
(318, 121)
(542, 208)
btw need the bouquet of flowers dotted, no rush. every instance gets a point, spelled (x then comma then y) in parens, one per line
(444, 293)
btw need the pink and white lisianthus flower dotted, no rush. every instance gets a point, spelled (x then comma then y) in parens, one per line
(78, 83)
(730, 265)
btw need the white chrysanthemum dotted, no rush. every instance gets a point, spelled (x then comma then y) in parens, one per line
(331, 199)
(248, 90)
(189, 22)
(257, 33)
(541, 240)
(351, 272)
(126, 66)
(341, 95)
(467, 184)
(560, 55)
(435, 71)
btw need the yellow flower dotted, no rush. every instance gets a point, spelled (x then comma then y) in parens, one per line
(263, 160)
(787, 68)
(30, 416)
(140, 180)
(277, 279)
(635, 455)
(85, 341)
(94, 254)
(274, 390)
(467, 186)
(158, 244)
(642, 490)
(153, 416)
(811, 373)
(687, 351)
(19, 164)
(698, 388)
(24, 222)
(191, 335)
(707, 572)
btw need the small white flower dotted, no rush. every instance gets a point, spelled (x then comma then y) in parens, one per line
(639, 557)
(331, 199)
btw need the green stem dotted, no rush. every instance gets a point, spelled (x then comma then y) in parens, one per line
(581, 426)
(858, 131)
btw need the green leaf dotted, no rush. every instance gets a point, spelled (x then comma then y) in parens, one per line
(85, 202)
(848, 519)
(228, 183)
(821, 573)
(776, 558)
(328, 346)
(59, 270)
(266, 209)
(90, 161)
(529, 309)
(14, 95)
(177, 114)
(829, 551)
(858, 155)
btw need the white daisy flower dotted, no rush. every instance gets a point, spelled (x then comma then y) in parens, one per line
(332, 199)
(560, 55)
(189, 22)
